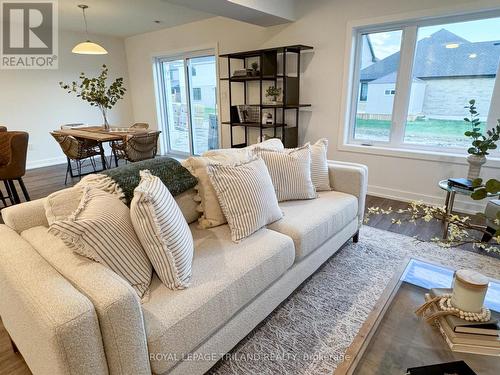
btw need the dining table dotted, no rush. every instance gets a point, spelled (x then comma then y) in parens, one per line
(100, 135)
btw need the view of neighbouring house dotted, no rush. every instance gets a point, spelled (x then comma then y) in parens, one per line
(191, 88)
(448, 70)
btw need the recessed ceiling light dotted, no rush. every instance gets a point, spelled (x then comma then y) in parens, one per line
(452, 45)
(472, 55)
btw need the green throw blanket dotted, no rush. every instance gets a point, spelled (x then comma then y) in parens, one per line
(124, 179)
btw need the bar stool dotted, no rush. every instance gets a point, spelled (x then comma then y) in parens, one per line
(13, 152)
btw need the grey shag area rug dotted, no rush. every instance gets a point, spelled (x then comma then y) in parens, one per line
(311, 330)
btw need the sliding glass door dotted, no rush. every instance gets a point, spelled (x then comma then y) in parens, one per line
(187, 93)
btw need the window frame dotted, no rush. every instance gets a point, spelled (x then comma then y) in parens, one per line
(396, 142)
(161, 99)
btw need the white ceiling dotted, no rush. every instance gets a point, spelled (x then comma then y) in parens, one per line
(123, 18)
(258, 12)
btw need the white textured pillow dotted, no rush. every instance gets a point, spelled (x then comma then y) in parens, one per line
(246, 195)
(101, 229)
(319, 165)
(212, 214)
(163, 231)
(61, 204)
(269, 144)
(290, 172)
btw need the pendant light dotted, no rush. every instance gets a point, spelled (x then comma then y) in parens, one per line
(88, 47)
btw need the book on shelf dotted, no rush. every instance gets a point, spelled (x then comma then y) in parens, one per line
(466, 342)
(462, 183)
(242, 73)
(248, 113)
(489, 328)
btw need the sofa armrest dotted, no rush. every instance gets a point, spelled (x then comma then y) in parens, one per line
(54, 326)
(25, 215)
(116, 304)
(350, 178)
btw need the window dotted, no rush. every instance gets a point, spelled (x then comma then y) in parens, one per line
(189, 120)
(363, 92)
(413, 82)
(379, 54)
(197, 94)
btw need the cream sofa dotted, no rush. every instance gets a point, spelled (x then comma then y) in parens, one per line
(69, 315)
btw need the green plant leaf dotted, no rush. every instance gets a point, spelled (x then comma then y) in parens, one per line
(477, 182)
(492, 186)
(479, 194)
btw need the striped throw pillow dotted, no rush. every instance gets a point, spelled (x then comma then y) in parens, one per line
(101, 229)
(290, 172)
(319, 165)
(163, 231)
(246, 196)
(212, 213)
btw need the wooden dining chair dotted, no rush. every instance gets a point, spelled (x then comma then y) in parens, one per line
(136, 147)
(77, 151)
(13, 153)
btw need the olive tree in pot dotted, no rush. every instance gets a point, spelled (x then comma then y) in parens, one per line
(96, 92)
(481, 143)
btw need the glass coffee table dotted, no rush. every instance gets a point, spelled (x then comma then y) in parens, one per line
(393, 338)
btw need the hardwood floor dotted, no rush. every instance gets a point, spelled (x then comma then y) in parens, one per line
(43, 181)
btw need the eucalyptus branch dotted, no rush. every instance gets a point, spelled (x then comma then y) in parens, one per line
(461, 230)
(96, 92)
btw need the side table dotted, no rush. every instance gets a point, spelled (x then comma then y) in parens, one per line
(451, 192)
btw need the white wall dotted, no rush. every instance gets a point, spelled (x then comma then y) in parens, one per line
(324, 26)
(32, 101)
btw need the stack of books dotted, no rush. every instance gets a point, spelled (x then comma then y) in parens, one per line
(455, 368)
(468, 337)
(461, 183)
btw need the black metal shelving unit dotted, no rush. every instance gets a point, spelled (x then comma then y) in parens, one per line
(268, 72)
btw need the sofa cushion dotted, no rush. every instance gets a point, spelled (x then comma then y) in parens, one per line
(290, 172)
(246, 196)
(310, 223)
(163, 232)
(212, 213)
(319, 165)
(226, 276)
(101, 230)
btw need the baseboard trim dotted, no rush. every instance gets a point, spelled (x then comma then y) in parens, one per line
(45, 162)
(462, 203)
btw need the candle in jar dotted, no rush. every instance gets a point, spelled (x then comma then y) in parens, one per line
(469, 290)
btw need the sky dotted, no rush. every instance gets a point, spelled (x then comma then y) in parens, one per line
(385, 44)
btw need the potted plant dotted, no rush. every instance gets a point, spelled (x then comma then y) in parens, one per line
(481, 143)
(273, 92)
(96, 92)
(255, 68)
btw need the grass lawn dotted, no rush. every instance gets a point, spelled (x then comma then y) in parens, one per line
(445, 133)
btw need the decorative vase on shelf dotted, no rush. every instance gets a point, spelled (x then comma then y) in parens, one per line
(475, 164)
